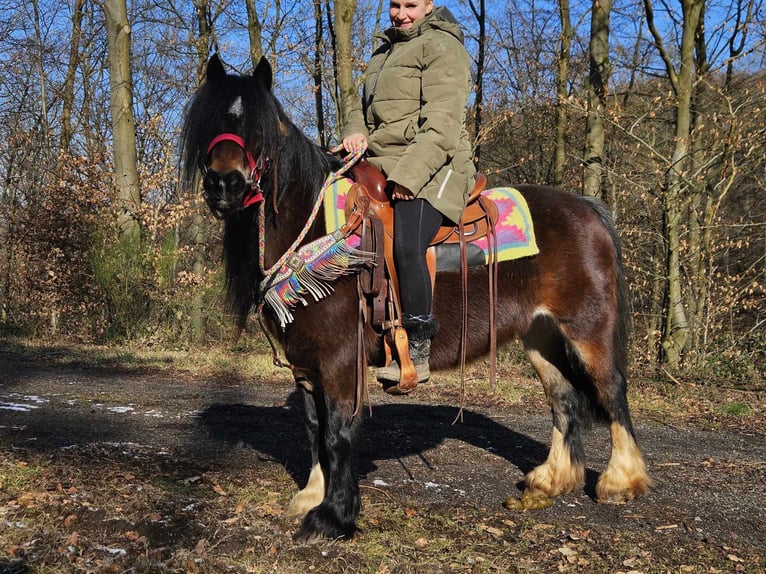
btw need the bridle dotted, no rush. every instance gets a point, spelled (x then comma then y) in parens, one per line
(257, 168)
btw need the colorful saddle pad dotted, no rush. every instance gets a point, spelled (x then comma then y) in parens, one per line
(515, 229)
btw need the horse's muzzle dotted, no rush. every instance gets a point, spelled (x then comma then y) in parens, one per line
(224, 193)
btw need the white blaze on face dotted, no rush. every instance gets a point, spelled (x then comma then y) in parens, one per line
(236, 107)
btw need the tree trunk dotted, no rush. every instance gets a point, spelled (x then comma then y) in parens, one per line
(478, 108)
(44, 127)
(344, 15)
(675, 335)
(562, 79)
(317, 75)
(254, 32)
(123, 124)
(68, 88)
(593, 159)
(196, 230)
(698, 259)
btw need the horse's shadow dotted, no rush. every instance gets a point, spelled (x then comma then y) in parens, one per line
(393, 432)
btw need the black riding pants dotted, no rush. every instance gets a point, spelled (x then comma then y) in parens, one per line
(415, 223)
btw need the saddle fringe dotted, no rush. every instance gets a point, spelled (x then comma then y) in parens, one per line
(311, 271)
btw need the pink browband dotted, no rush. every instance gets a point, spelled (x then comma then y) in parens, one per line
(255, 195)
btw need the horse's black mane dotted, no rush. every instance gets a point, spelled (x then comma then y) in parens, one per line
(299, 164)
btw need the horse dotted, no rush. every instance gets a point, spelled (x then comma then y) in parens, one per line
(568, 305)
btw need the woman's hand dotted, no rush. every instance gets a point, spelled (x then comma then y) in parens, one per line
(401, 192)
(355, 142)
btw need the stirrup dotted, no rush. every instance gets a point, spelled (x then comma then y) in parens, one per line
(407, 378)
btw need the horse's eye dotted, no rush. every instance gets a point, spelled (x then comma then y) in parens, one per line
(211, 181)
(235, 182)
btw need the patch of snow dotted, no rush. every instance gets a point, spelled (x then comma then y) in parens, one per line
(21, 403)
(120, 410)
(113, 551)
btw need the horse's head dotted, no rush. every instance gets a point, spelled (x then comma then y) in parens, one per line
(229, 136)
(229, 183)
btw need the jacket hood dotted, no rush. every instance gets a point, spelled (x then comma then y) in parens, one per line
(440, 18)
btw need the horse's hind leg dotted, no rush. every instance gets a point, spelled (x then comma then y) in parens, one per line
(313, 493)
(625, 476)
(564, 469)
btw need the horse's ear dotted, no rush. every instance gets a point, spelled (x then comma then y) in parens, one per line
(215, 68)
(262, 72)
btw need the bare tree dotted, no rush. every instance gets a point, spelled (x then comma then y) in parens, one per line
(481, 19)
(39, 65)
(675, 334)
(317, 72)
(67, 91)
(344, 15)
(254, 33)
(593, 160)
(196, 230)
(123, 124)
(562, 92)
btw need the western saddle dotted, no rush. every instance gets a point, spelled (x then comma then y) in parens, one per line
(367, 199)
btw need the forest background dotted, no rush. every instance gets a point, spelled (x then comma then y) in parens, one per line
(656, 106)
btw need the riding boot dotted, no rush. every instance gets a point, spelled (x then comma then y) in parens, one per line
(420, 330)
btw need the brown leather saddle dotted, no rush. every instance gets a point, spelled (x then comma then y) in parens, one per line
(369, 200)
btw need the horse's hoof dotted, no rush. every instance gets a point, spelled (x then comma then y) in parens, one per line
(609, 494)
(307, 537)
(322, 524)
(551, 481)
(619, 484)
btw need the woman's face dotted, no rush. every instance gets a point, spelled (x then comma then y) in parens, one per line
(404, 13)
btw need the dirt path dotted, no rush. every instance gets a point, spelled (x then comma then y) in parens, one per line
(109, 470)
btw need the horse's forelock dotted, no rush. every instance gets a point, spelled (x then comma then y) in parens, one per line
(230, 104)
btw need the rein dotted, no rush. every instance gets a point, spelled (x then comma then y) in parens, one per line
(255, 196)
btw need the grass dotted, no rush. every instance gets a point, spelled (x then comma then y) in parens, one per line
(242, 358)
(653, 393)
(736, 409)
(16, 477)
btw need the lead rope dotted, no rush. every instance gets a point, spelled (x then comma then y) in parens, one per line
(349, 161)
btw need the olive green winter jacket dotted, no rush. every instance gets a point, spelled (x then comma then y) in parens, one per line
(413, 108)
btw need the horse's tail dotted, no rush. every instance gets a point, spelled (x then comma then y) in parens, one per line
(624, 307)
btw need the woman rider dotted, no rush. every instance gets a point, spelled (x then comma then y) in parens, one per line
(411, 120)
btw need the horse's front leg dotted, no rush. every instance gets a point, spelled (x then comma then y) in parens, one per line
(338, 429)
(313, 493)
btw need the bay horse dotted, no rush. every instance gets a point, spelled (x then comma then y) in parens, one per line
(568, 305)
